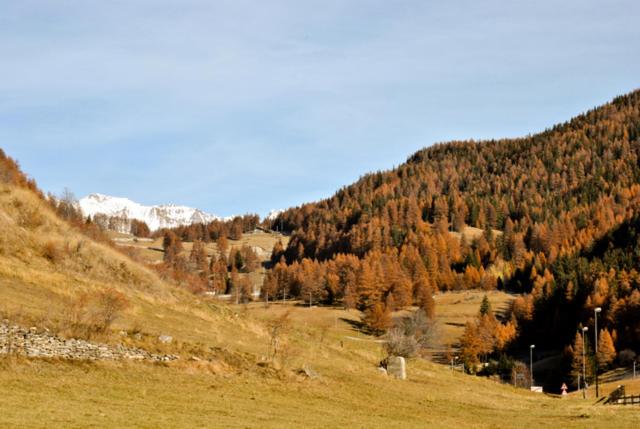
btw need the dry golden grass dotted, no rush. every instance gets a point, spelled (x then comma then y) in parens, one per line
(455, 309)
(611, 380)
(470, 233)
(43, 394)
(35, 289)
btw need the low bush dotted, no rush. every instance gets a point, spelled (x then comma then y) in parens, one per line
(411, 334)
(91, 314)
(52, 252)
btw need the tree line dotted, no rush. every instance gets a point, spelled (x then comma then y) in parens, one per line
(540, 203)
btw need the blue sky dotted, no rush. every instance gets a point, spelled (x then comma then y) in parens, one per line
(244, 106)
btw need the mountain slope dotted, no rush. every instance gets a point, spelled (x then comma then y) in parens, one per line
(48, 266)
(529, 181)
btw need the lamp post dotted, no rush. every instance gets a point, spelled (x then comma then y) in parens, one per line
(531, 347)
(584, 366)
(595, 313)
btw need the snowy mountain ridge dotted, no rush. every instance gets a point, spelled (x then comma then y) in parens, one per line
(156, 217)
(273, 214)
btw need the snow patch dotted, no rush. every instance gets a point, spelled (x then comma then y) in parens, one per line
(273, 214)
(156, 217)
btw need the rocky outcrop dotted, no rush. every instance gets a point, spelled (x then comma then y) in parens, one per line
(41, 344)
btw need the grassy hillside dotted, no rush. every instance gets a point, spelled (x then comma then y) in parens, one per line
(45, 265)
(347, 395)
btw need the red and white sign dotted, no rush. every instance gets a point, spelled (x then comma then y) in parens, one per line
(564, 389)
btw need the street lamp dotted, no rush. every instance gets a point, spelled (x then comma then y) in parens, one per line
(531, 347)
(595, 313)
(584, 366)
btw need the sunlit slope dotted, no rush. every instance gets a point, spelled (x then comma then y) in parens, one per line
(45, 264)
(116, 395)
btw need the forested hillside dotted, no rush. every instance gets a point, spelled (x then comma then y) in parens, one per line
(516, 185)
(11, 174)
(389, 239)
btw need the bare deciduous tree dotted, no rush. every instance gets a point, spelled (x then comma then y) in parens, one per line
(411, 334)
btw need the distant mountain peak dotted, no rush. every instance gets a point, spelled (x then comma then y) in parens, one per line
(273, 214)
(156, 217)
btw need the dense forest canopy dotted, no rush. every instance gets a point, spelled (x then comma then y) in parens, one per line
(527, 182)
(541, 207)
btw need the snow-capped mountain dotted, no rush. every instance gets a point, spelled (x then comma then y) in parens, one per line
(273, 214)
(156, 217)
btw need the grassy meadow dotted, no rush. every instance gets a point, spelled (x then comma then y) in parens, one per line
(349, 393)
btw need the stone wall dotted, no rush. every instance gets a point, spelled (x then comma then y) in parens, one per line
(32, 343)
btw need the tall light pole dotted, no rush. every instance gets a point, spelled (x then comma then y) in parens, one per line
(595, 313)
(531, 347)
(584, 366)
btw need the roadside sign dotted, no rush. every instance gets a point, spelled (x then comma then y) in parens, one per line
(564, 389)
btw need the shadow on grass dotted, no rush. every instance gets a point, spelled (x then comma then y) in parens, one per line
(358, 326)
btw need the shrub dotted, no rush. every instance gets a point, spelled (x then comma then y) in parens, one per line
(411, 334)
(28, 217)
(278, 328)
(52, 252)
(88, 314)
(108, 305)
